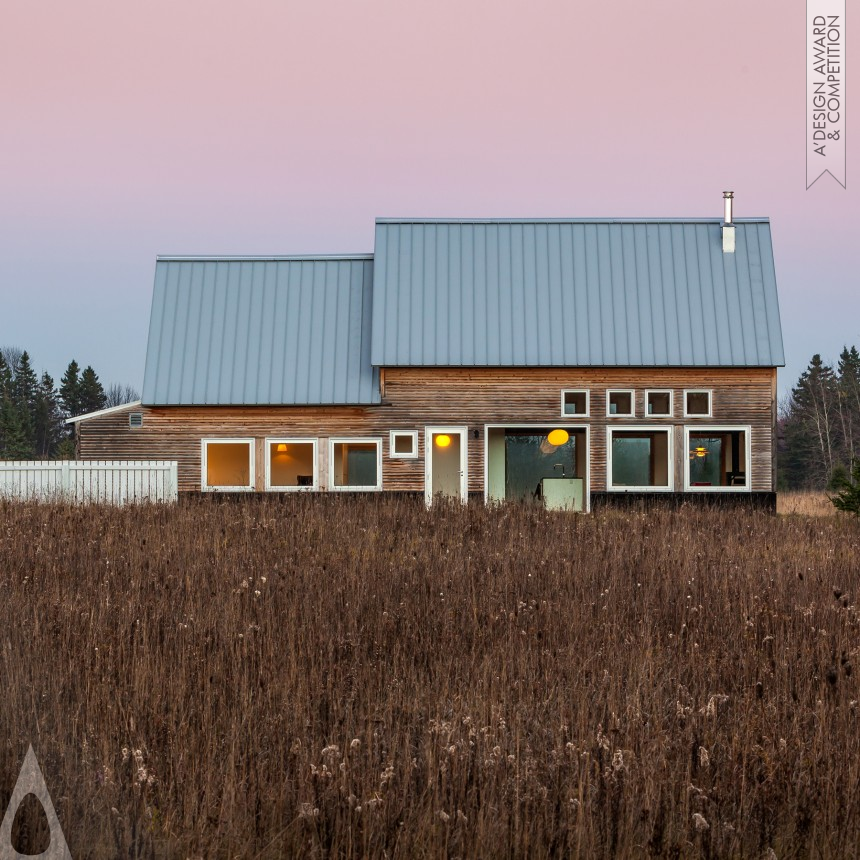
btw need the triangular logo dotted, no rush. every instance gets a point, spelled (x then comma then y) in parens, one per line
(31, 781)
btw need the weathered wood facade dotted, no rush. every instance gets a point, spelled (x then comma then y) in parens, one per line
(417, 397)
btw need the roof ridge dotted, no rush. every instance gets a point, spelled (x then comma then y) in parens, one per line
(750, 220)
(264, 258)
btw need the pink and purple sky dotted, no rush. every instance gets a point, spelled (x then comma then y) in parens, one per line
(268, 127)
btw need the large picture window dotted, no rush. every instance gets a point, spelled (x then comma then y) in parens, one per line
(227, 464)
(291, 464)
(717, 459)
(355, 464)
(639, 459)
(544, 465)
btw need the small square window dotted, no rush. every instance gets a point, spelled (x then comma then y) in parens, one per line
(658, 404)
(697, 404)
(619, 404)
(403, 444)
(574, 402)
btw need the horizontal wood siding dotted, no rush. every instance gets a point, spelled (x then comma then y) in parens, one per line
(418, 397)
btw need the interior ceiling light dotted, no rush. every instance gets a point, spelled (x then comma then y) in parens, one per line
(558, 437)
(282, 448)
(443, 440)
(698, 452)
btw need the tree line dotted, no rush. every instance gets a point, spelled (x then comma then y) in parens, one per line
(819, 425)
(33, 411)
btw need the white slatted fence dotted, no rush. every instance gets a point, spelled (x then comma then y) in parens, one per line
(116, 482)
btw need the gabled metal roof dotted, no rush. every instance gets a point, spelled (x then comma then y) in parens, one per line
(599, 292)
(260, 331)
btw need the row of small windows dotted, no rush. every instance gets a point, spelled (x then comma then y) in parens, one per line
(291, 464)
(621, 403)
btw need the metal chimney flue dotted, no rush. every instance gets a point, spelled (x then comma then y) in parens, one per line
(728, 224)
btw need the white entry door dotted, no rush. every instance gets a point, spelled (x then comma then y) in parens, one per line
(445, 463)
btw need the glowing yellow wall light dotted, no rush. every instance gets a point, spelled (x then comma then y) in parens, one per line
(558, 437)
(282, 448)
(443, 440)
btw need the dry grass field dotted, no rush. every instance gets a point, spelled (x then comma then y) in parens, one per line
(808, 503)
(333, 677)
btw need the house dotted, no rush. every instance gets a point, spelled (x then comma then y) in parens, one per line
(578, 362)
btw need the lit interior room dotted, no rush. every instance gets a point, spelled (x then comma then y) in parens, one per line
(537, 465)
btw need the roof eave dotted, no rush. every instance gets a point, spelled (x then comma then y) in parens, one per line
(101, 412)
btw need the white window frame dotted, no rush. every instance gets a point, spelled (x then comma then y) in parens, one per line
(393, 454)
(718, 428)
(670, 413)
(429, 433)
(355, 440)
(584, 391)
(586, 490)
(204, 464)
(640, 428)
(709, 392)
(290, 440)
(632, 393)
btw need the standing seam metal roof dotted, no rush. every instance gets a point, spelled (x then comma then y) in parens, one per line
(518, 293)
(258, 331)
(596, 292)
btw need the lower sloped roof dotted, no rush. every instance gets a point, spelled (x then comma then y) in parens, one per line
(590, 292)
(260, 331)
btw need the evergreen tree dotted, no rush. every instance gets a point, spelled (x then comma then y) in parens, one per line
(5, 376)
(25, 381)
(5, 401)
(848, 497)
(70, 391)
(849, 403)
(810, 428)
(13, 440)
(24, 387)
(819, 425)
(32, 411)
(91, 393)
(48, 421)
(16, 444)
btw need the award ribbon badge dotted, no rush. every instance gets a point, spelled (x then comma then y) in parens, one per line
(825, 90)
